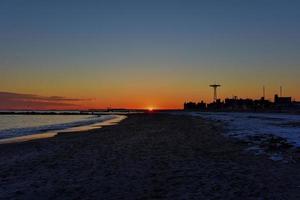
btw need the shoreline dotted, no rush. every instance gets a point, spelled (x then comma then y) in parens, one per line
(146, 156)
(110, 122)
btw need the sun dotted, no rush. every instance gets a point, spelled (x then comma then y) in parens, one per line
(150, 109)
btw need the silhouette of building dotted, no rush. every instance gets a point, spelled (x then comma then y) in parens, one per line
(239, 104)
(280, 104)
(234, 104)
(195, 106)
(282, 100)
(216, 105)
(215, 86)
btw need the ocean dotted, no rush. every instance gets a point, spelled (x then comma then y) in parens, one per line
(22, 125)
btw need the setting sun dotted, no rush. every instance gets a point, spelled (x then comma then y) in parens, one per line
(150, 109)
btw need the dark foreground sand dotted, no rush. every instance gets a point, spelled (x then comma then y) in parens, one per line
(147, 156)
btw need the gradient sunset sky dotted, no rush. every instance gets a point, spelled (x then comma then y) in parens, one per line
(145, 53)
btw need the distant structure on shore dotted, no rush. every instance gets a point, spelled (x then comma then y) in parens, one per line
(279, 104)
(215, 86)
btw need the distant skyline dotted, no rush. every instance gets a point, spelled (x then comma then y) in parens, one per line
(141, 54)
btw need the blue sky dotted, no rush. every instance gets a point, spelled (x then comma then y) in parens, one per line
(47, 47)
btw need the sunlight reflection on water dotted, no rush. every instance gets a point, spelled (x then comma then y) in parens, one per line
(115, 120)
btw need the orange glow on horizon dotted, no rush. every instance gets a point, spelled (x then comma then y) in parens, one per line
(150, 109)
(139, 96)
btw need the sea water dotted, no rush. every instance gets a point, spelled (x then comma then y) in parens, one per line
(21, 125)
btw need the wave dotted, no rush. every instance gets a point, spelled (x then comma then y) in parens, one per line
(15, 132)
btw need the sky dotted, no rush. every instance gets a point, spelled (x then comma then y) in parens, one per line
(145, 53)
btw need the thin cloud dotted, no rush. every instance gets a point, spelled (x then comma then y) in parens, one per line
(9, 100)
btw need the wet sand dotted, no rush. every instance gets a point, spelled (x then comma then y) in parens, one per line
(146, 156)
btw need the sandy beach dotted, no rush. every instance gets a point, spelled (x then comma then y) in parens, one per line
(146, 156)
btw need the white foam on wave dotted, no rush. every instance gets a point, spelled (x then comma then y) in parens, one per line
(107, 120)
(15, 132)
